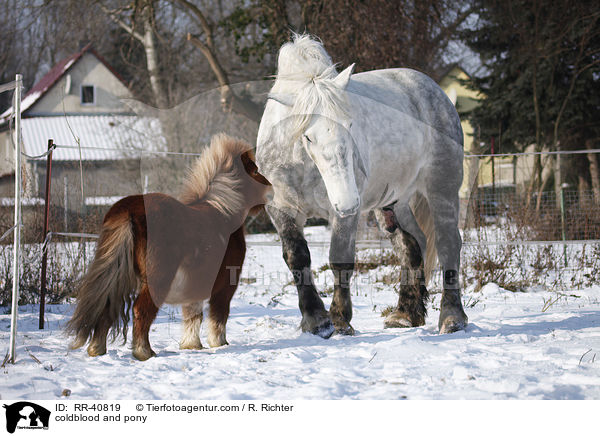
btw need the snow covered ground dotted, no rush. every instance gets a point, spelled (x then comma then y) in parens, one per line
(534, 345)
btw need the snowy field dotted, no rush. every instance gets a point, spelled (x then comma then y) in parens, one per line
(534, 345)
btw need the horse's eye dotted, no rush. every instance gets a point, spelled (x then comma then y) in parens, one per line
(307, 138)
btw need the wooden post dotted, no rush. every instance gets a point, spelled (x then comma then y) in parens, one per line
(45, 233)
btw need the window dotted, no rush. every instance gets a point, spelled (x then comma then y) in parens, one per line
(88, 94)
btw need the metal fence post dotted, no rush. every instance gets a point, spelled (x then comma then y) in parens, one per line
(17, 235)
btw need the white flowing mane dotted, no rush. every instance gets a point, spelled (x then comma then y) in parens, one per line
(305, 72)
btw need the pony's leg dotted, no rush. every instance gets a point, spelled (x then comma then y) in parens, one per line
(341, 260)
(144, 313)
(315, 318)
(409, 242)
(97, 346)
(444, 209)
(192, 320)
(218, 312)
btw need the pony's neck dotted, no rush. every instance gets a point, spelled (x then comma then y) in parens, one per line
(229, 222)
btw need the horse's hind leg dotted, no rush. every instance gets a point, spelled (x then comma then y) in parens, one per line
(192, 320)
(409, 243)
(448, 243)
(341, 260)
(144, 313)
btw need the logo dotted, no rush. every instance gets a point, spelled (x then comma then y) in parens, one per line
(26, 415)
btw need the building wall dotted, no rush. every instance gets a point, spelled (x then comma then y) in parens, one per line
(7, 155)
(88, 70)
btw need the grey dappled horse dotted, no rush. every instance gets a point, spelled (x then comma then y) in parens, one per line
(334, 145)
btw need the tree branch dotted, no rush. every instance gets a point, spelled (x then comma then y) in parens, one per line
(450, 29)
(122, 24)
(204, 23)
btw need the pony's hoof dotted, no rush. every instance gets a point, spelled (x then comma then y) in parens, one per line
(319, 325)
(216, 338)
(401, 320)
(143, 354)
(94, 350)
(453, 324)
(216, 344)
(191, 346)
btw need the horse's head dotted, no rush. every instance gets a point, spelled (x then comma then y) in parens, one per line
(317, 119)
(310, 112)
(331, 147)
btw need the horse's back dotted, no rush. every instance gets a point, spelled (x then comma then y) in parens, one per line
(410, 92)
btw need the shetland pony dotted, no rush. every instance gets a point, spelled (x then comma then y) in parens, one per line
(155, 249)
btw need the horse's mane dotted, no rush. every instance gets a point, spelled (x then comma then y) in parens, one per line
(305, 71)
(214, 179)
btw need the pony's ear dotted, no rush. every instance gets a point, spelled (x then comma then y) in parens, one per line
(342, 79)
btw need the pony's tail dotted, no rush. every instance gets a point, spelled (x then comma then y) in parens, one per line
(422, 214)
(107, 289)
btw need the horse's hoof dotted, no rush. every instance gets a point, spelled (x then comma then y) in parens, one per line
(319, 325)
(452, 317)
(143, 354)
(325, 331)
(453, 324)
(401, 320)
(94, 350)
(343, 329)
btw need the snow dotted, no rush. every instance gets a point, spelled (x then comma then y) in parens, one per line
(527, 345)
(27, 101)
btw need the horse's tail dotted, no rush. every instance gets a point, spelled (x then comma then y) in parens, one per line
(422, 213)
(106, 291)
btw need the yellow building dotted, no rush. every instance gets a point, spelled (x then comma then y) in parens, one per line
(477, 171)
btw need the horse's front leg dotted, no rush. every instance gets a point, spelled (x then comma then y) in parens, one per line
(315, 318)
(341, 260)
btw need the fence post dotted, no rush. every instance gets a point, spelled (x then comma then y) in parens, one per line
(12, 353)
(45, 234)
(66, 204)
(562, 221)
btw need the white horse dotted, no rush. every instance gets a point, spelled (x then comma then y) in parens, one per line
(334, 145)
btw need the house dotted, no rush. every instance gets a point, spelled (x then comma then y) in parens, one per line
(488, 179)
(79, 105)
(477, 173)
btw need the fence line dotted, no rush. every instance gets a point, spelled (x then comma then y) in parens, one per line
(184, 153)
(533, 153)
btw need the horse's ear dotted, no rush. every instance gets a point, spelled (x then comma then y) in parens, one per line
(342, 79)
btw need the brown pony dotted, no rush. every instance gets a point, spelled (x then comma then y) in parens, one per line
(154, 249)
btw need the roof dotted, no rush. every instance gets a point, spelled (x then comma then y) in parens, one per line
(53, 76)
(110, 137)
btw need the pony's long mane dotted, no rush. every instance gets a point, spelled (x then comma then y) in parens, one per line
(214, 179)
(305, 72)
